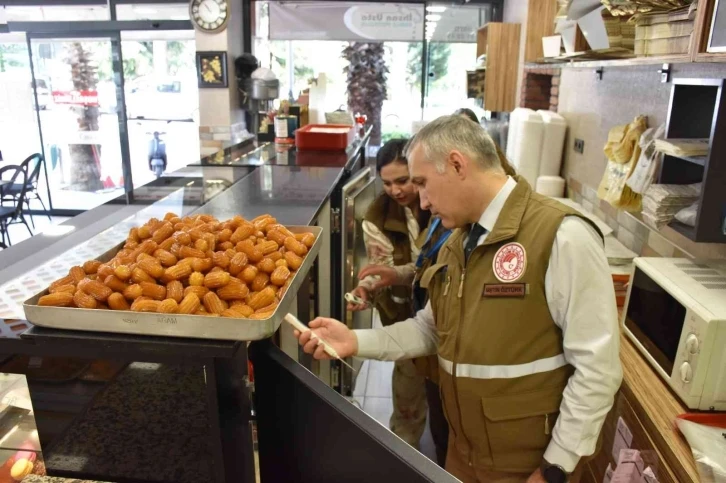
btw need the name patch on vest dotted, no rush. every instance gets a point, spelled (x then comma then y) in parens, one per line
(505, 290)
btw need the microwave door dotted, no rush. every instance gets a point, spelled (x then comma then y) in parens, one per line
(655, 320)
(357, 195)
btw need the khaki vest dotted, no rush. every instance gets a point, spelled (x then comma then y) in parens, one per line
(393, 303)
(502, 368)
(428, 367)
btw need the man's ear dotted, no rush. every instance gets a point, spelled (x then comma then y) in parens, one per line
(458, 163)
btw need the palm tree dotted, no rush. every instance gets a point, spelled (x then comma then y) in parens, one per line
(85, 158)
(367, 82)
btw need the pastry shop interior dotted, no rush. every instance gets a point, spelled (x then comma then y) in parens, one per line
(143, 302)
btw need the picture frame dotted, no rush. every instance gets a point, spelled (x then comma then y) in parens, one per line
(717, 33)
(212, 70)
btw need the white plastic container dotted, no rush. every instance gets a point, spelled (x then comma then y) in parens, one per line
(526, 132)
(553, 142)
(552, 186)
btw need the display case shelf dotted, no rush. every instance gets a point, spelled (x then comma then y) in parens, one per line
(699, 160)
(628, 62)
(20, 450)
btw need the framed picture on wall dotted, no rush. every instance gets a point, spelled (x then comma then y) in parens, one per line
(212, 70)
(717, 36)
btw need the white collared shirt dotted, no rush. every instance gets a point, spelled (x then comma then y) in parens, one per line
(490, 215)
(581, 300)
(380, 248)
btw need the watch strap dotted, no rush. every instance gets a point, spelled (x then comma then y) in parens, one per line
(553, 473)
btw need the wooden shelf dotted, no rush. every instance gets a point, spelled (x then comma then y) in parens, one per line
(683, 229)
(633, 61)
(699, 160)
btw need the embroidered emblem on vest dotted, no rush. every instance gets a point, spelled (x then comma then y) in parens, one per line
(510, 262)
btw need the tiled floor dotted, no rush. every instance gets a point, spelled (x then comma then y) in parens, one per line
(372, 393)
(19, 233)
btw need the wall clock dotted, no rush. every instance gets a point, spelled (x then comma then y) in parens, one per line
(209, 15)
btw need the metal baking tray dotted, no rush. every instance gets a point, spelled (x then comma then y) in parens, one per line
(172, 325)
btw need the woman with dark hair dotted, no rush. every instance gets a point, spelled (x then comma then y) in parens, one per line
(393, 229)
(464, 112)
(469, 114)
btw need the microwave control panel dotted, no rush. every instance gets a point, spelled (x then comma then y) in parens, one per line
(689, 351)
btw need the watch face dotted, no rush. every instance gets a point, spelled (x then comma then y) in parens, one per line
(554, 474)
(209, 15)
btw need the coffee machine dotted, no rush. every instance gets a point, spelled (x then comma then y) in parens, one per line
(257, 91)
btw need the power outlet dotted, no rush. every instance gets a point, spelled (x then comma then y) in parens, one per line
(579, 146)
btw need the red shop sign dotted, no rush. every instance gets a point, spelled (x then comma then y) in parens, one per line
(77, 98)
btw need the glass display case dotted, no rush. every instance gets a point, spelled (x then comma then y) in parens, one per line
(20, 452)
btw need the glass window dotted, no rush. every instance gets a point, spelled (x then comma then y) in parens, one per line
(403, 105)
(161, 97)
(153, 11)
(450, 52)
(18, 121)
(448, 63)
(308, 58)
(451, 34)
(67, 13)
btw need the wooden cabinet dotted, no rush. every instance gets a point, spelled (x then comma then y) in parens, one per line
(500, 42)
(648, 409)
(641, 441)
(540, 23)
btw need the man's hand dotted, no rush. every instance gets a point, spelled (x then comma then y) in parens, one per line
(387, 276)
(336, 334)
(363, 294)
(536, 477)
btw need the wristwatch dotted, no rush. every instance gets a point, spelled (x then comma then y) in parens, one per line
(553, 473)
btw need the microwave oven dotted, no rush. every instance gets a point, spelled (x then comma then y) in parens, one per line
(675, 314)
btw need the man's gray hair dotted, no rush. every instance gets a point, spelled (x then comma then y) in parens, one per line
(447, 133)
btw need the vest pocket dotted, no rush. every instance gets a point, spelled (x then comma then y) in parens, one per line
(520, 427)
(428, 279)
(437, 280)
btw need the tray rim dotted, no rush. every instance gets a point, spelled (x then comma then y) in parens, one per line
(160, 323)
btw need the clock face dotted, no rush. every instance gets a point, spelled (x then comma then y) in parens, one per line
(209, 15)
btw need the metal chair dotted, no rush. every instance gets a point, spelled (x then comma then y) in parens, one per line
(13, 215)
(11, 192)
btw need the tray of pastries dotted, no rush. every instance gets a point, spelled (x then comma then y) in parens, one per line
(185, 277)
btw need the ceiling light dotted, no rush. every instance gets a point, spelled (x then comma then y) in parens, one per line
(433, 18)
(435, 9)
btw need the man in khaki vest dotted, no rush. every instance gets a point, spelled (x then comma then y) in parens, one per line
(521, 314)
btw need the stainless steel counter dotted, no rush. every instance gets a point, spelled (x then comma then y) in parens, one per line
(294, 195)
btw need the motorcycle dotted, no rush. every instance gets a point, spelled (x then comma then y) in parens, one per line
(157, 154)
